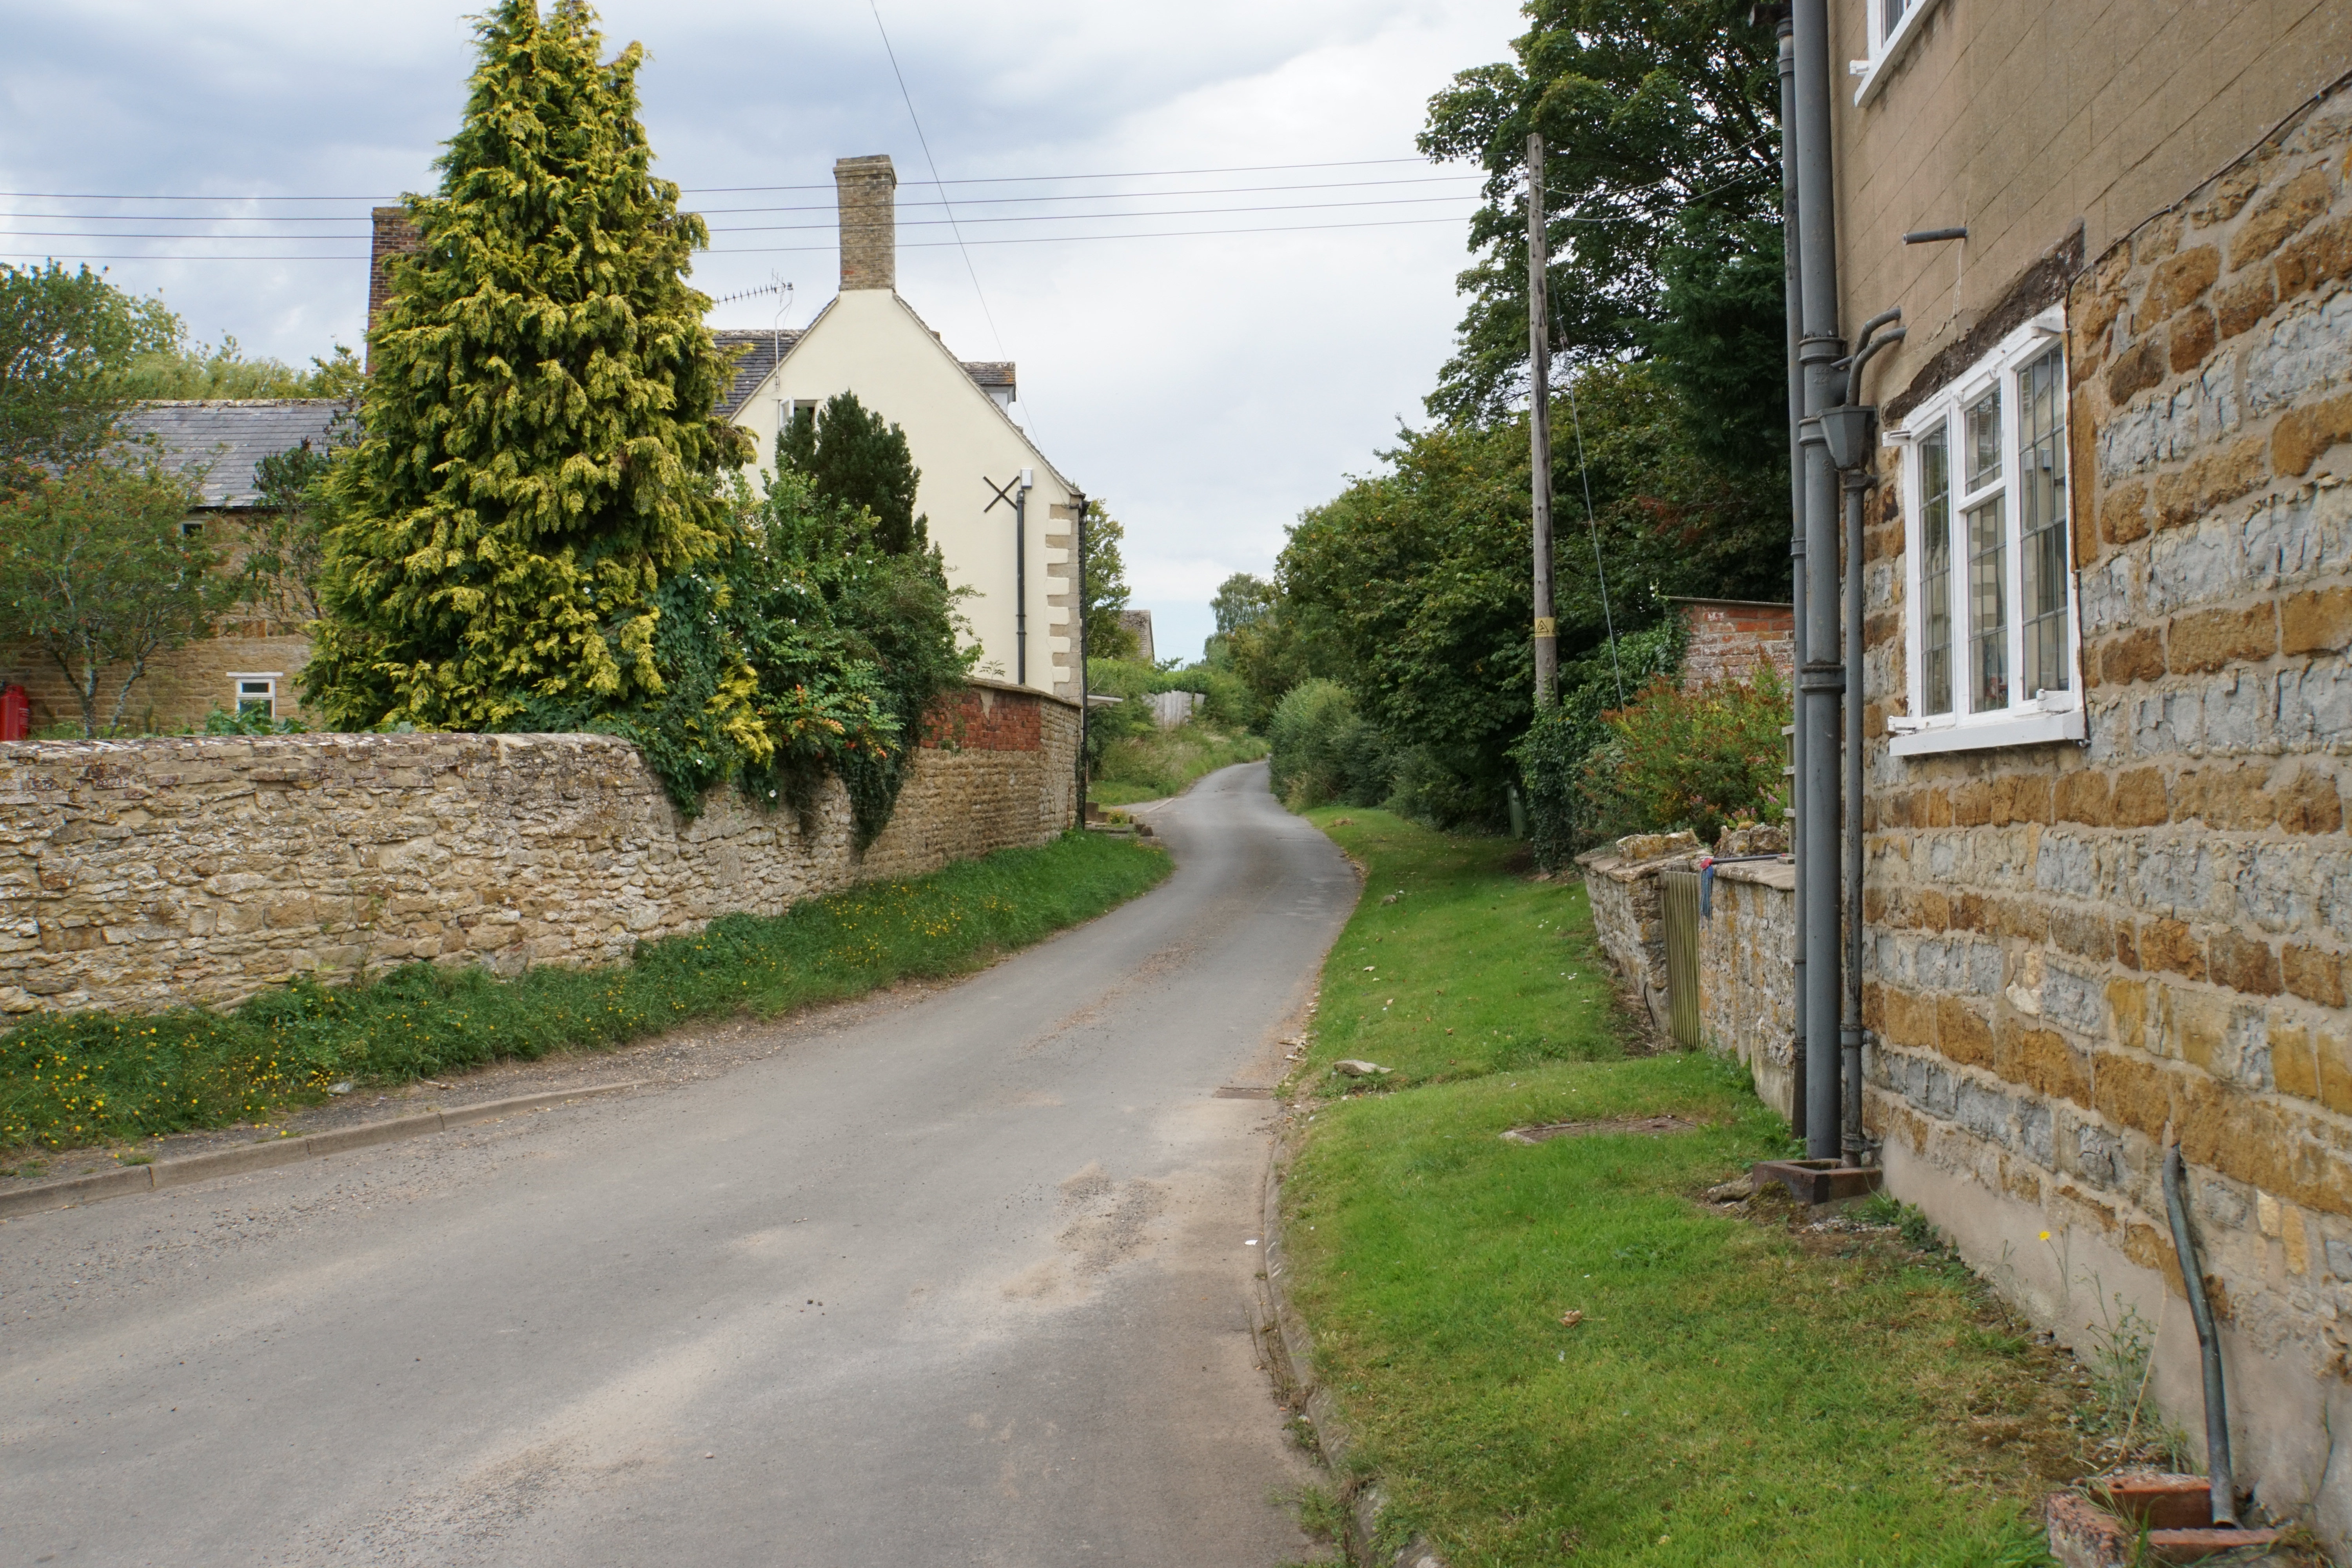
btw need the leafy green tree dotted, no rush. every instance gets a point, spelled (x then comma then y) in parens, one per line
(1658, 118)
(286, 535)
(541, 444)
(1242, 601)
(1412, 587)
(1106, 593)
(192, 371)
(855, 459)
(96, 572)
(67, 341)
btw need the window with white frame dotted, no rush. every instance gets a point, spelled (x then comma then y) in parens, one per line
(257, 693)
(1993, 623)
(1892, 24)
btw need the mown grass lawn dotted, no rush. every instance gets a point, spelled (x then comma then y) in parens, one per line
(1737, 1389)
(1167, 762)
(84, 1078)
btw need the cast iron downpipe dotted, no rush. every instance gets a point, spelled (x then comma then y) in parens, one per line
(1820, 677)
(1792, 274)
(1852, 454)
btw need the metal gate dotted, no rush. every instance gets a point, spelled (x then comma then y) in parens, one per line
(1681, 891)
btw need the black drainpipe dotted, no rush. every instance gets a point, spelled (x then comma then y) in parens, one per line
(1850, 448)
(1821, 678)
(2209, 1346)
(1793, 273)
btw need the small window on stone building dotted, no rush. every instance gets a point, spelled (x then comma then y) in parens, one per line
(1990, 584)
(257, 694)
(192, 528)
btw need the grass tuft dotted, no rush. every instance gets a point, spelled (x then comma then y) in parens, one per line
(78, 1079)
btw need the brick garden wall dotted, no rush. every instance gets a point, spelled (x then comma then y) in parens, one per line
(1727, 639)
(2077, 953)
(145, 874)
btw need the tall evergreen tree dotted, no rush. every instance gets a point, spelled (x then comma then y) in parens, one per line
(541, 446)
(853, 457)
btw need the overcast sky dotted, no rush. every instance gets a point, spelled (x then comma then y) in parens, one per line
(1209, 387)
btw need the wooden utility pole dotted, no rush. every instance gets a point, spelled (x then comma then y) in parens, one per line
(1539, 424)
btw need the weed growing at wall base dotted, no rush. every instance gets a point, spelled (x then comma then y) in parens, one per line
(74, 1078)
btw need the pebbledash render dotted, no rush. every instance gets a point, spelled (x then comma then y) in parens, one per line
(2108, 590)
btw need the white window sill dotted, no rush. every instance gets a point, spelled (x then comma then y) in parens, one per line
(2024, 729)
(1889, 52)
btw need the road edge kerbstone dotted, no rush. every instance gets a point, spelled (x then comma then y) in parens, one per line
(1290, 1345)
(74, 1190)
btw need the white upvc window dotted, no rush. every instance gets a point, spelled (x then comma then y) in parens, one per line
(1993, 623)
(1893, 24)
(257, 692)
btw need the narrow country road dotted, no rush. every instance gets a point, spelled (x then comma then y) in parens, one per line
(961, 1282)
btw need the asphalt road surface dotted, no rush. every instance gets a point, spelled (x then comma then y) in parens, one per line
(964, 1281)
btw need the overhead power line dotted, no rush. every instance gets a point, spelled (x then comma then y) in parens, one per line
(925, 143)
(737, 190)
(794, 227)
(800, 249)
(800, 207)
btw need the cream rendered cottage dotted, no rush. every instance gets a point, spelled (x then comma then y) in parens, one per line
(999, 512)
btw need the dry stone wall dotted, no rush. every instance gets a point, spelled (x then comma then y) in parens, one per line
(145, 874)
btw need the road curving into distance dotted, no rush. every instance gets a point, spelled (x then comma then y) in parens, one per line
(963, 1278)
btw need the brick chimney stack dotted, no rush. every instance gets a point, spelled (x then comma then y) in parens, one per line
(396, 235)
(869, 229)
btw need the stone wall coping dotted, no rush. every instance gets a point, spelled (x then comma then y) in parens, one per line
(1069, 702)
(1618, 869)
(1780, 874)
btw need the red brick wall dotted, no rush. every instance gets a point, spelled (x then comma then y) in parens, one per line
(987, 719)
(1728, 639)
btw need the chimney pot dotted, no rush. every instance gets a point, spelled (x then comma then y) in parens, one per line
(869, 231)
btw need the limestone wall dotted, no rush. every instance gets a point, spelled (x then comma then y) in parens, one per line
(1747, 975)
(145, 874)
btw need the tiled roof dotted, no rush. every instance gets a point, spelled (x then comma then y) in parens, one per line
(228, 438)
(990, 373)
(764, 347)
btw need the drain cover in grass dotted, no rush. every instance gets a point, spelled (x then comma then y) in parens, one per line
(1550, 1130)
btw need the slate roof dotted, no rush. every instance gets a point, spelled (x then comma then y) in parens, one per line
(231, 435)
(764, 346)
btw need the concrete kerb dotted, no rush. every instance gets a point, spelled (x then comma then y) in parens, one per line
(257, 1156)
(1290, 1346)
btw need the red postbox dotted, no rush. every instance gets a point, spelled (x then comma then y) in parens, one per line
(15, 713)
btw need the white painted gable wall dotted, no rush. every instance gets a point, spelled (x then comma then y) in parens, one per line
(870, 342)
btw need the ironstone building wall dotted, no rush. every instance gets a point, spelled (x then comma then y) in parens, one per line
(2079, 952)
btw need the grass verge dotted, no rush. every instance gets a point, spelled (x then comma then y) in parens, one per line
(1736, 1389)
(1147, 767)
(80, 1079)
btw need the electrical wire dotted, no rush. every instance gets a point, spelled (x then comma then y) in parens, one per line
(776, 249)
(1591, 519)
(925, 143)
(794, 227)
(800, 207)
